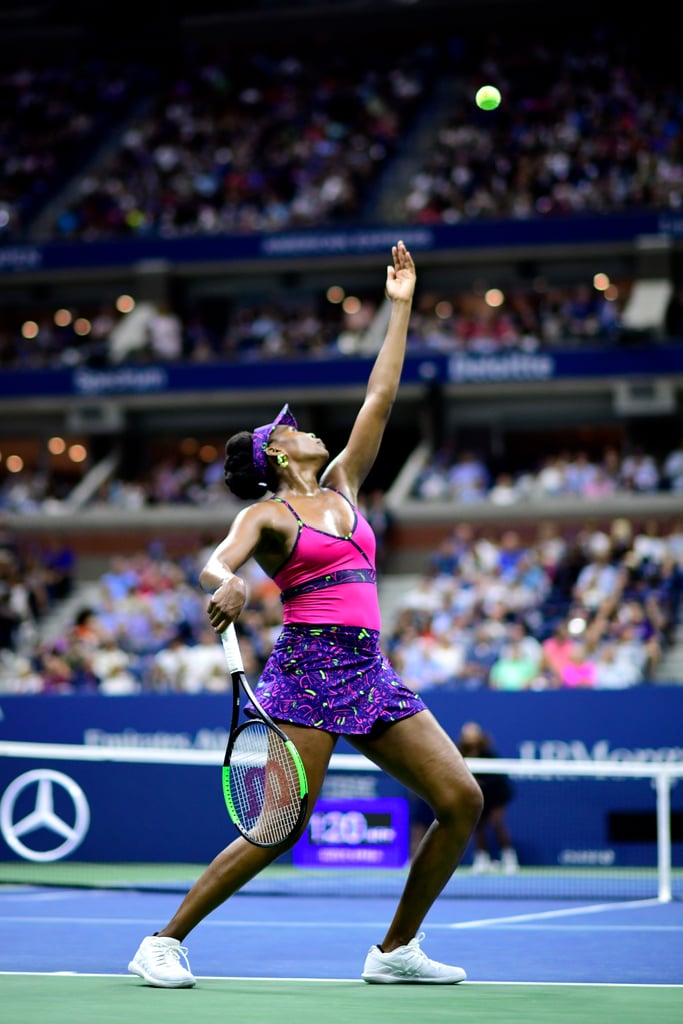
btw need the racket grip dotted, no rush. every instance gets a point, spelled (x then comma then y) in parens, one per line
(231, 647)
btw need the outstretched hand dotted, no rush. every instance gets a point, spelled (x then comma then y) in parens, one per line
(401, 277)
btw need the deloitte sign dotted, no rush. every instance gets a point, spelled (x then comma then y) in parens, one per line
(512, 367)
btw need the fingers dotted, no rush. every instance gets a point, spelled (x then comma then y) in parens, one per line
(402, 258)
(218, 618)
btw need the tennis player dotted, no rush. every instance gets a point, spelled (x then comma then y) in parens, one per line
(327, 676)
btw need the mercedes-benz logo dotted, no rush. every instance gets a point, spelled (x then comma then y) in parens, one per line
(44, 816)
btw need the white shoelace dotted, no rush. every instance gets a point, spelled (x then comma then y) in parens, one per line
(414, 947)
(413, 959)
(163, 953)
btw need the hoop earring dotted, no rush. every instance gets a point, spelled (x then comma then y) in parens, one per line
(282, 460)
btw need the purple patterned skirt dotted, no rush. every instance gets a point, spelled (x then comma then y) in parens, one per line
(333, 678)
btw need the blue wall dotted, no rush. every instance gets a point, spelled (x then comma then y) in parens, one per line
(156, 812)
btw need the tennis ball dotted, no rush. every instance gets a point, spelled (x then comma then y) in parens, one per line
(488, 97)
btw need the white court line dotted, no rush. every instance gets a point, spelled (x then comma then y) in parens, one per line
(540, 915)
(99, 922)
(39, 896)
(344, 981)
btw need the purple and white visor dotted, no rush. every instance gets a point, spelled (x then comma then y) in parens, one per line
(262, 437)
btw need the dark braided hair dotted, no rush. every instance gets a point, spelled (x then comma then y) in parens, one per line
(238, 469)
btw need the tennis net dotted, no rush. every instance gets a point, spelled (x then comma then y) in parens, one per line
(151, 818)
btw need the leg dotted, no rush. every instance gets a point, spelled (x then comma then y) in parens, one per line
(158, 959)
(500, 828)
(420, 755)
(508, 854)
(241, 860)
(481, 862)
(481, 841)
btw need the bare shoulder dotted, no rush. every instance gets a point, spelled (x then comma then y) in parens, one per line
(266, 529)
(262, 515)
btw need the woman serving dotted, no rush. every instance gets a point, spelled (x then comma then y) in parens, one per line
(326, 676)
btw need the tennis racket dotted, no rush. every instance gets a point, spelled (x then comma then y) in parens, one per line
(264, 779)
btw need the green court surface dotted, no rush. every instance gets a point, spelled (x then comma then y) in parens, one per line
(75, 873)
(73, 999)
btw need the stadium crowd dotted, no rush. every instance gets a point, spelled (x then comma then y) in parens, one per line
(535, 318)
(294, 135)
(463, 476)
(53, 117)
(224, 142)
(593, 607)
(450, 475)
(235, 142)
(589, 123)
(240, 143)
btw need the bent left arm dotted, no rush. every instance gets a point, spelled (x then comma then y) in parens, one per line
(350, 468)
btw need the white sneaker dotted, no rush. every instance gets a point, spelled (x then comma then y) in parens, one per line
(508, 859)
(481, 863)
(408, 965)
(158, 962)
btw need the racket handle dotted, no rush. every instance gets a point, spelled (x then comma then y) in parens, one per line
(231, 647)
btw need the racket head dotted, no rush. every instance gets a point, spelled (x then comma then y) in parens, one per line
(264, 784)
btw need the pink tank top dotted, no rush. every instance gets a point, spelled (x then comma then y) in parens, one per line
(330, 580)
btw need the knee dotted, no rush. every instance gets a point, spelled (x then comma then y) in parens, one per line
(464, 803)
(472, 801)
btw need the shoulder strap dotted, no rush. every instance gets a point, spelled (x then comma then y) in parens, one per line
(287, 505)
(342, 495)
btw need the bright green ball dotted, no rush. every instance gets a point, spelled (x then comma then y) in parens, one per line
(488, 97)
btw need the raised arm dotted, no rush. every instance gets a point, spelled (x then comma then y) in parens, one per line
(350, 468)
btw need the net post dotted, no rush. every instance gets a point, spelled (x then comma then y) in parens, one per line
(663, 781)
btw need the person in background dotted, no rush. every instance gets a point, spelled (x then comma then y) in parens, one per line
(579, 669)
(556, 653)
(498, 792)
(515, 669)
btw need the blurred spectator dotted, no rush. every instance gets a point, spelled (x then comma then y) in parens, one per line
(640, 473)
(614, 670)
(54, 669)
(515, 669)
(204, 665)
(16, 610)
(504, 491)
(599, 579)
(481, 654)
(467, 478)
(498, 793)
(167, 667)
(113, 669)
(18, 673)
(556, 653)
(673, 468)
(579, 669)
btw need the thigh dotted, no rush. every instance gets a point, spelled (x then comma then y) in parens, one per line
(315, 749)
(420, 754)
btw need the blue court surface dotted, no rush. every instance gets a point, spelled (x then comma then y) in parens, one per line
(634, 942)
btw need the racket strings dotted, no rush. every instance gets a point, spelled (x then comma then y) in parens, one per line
(264, 784)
